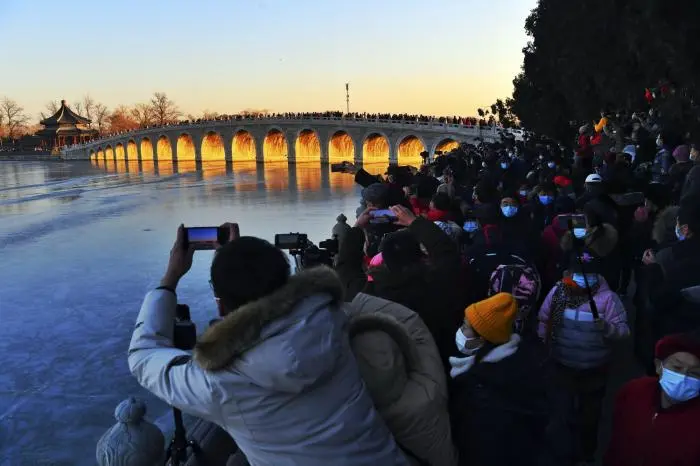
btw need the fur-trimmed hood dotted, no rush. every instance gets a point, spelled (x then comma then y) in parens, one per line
(664, 231)
(242, 329)
(600, 240)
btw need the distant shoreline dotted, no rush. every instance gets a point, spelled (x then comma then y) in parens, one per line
(29, 157)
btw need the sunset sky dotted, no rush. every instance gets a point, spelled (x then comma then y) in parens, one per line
(440, 57)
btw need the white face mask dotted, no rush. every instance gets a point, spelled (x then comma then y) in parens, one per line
(679, 387)
(579, 232)
(461, 342)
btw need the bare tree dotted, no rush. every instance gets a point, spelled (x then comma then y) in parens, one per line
(142, 114)
(51, 108)
(89, 106)
(14, 115)
(78, 108)
(209, 115)
(101, 114)
(164, 110)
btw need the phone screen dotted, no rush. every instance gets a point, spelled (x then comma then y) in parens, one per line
(203, 238)
(382, 216)
(289, 241)
(470, 226)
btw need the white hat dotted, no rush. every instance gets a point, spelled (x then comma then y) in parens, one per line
(594, 178)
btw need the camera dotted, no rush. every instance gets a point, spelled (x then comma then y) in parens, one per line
(305, 253)
(185, 332)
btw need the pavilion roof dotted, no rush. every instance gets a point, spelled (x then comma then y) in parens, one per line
(65, 116)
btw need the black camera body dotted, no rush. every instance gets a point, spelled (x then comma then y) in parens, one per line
(185, 332)
(305, 253)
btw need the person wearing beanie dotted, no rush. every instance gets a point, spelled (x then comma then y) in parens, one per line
(580, 342)
(679, 171)
(656, 420)
(499, 390)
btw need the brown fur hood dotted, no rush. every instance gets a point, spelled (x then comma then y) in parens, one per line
(240, 330)
(664, 230)
(600, 240)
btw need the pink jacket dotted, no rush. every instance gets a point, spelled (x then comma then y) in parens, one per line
(610, 308)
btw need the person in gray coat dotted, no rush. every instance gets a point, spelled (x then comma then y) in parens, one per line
(276, 372)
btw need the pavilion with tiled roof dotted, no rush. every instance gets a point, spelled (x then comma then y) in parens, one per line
(66, 127)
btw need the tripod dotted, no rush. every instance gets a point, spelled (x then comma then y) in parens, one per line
(176, 454)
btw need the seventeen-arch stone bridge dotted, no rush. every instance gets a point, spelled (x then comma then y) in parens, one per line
(319, 139)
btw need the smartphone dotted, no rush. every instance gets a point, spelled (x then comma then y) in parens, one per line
(576, 221)
(382, 216)
(291, 241)
(206, 238)
(471, 225)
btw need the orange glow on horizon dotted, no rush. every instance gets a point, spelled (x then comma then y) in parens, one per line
(375, 149)
(308, 147)
(212, 148)
(447, 145)
(275, 147)
(185, 148)
(146, 149)
(341, 148)
(243, 147)
(131, 150)
(409, 151)
(163, 150)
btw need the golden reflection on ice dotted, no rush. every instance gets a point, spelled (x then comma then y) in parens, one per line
(212, 148)
(341, 148)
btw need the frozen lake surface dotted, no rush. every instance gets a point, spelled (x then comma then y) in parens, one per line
(80, 245)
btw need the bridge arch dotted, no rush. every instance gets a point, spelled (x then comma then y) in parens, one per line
(243, 147)
(307, 146)
(445, 145)
(100, 153)
(212, 147)
(409, 148)
(341, 147)
(93, 155)
(109, 153)
(164, 149)
(119, 152)
(147, 149)
(185, 147)
(275, 146)
(132, 151)
(376, 148)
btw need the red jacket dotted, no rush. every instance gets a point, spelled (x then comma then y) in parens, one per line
(435, 215)
(644, 435)
(584, 147)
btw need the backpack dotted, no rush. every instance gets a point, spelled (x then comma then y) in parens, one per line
(523, 281)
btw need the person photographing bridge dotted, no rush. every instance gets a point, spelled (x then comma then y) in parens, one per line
(276, 371)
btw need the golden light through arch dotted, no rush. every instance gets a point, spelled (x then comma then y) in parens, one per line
(132, 152)
(447, 145)
(119, 153)
(243, 147)
(100, 154)
(375, 149)
(275, 147)
(163, 150)
(185, 147)
(409, 151)
(308, 147)
(212, 148)
(146, 149)
(109, 153)
(341, 148)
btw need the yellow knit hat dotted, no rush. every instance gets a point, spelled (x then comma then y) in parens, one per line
(493, 318)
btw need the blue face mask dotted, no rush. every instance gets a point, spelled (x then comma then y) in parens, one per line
(504, 165)
(679, 387)
(579, 279)
(551, 165)
(509, 210)
(679, 235)
(471, 227)
(523, 192)
(546, 200)
(579, 232)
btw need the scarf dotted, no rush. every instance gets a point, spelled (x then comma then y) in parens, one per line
(568, 295)
(499, 353)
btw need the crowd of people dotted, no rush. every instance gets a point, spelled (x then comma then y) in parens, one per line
(470, 317)
(404, 117)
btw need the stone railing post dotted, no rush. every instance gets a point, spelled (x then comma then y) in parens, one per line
(132, 441)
